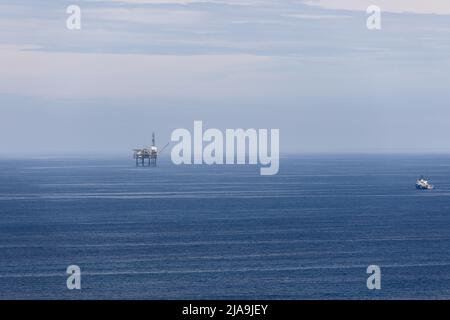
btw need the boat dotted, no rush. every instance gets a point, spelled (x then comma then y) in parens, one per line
(423, 184)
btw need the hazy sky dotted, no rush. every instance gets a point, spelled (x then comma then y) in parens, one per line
(310, 68)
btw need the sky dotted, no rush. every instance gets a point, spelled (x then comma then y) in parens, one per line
(310, 68)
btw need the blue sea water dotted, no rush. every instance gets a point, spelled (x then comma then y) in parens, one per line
(225, 232)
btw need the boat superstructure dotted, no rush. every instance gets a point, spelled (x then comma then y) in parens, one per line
(423, 184)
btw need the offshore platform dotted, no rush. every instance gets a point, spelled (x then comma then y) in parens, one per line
(151, 154)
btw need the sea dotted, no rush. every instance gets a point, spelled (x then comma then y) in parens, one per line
(225, 231)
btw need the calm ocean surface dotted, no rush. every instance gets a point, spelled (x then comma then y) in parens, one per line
(225, 232)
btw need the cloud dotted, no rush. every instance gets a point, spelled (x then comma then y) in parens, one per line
(315, 16)
(186, 2)
(148, 15)
(152, 1)
(396, 6)
(76, 75)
